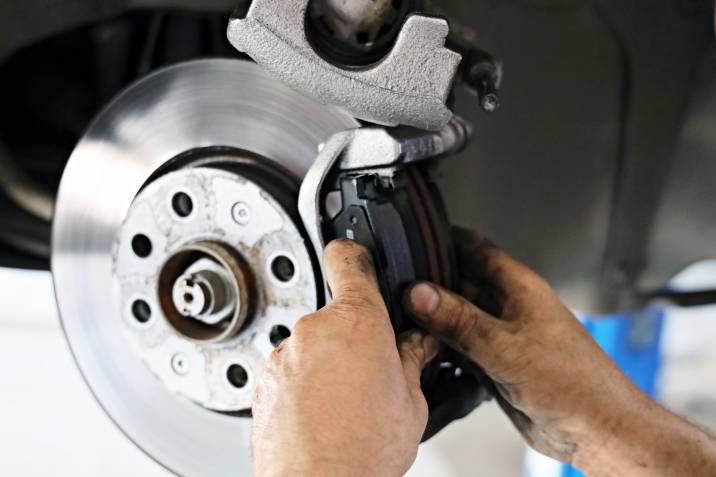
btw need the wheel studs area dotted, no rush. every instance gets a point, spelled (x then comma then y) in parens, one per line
(212, 274)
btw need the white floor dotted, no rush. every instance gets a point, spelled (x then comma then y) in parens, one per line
(51, 425)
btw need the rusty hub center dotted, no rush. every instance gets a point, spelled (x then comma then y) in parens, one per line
(206, 290)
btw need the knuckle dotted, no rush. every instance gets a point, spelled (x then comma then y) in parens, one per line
(303, 328)
(453, 316)
(355, 299)
(465, 319)
(495, 272)
(355, 304)
(471, 333)
(354, 295)
(532, 279)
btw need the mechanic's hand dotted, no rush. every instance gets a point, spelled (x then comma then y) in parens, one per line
(339, 397)
(545, 366)
(562, 392)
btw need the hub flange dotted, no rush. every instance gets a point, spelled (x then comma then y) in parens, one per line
(210, 282)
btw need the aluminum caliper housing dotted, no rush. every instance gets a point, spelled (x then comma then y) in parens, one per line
(409, 86)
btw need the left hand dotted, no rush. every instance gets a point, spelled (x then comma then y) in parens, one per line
(340, 397)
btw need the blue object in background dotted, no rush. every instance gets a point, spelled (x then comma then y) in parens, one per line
(634, 343)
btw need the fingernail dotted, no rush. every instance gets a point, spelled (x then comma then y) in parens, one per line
(430, 347)
(424, 299)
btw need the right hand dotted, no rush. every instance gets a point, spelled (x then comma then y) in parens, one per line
(561, 391)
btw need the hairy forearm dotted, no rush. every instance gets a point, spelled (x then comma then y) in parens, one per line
(645, 439)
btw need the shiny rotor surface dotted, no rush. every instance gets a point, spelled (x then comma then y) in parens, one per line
(191, 105)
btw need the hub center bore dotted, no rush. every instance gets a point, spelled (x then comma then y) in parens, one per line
(205, 290)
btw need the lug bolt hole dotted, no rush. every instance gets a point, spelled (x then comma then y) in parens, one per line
(237, 376)
(141, 246)
(278, 334)
(283, 268)
(141, 311)
(182, 204)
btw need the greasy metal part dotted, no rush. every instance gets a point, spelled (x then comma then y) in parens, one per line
(370, 148)
(409, 86)
(175, 110)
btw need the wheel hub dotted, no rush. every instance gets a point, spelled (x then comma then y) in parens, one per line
(210, 281)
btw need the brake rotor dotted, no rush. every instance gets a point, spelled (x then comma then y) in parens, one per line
(171, 305)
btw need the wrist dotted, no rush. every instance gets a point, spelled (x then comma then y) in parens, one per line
(612, 427)
(603, 450)
(644, 439)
